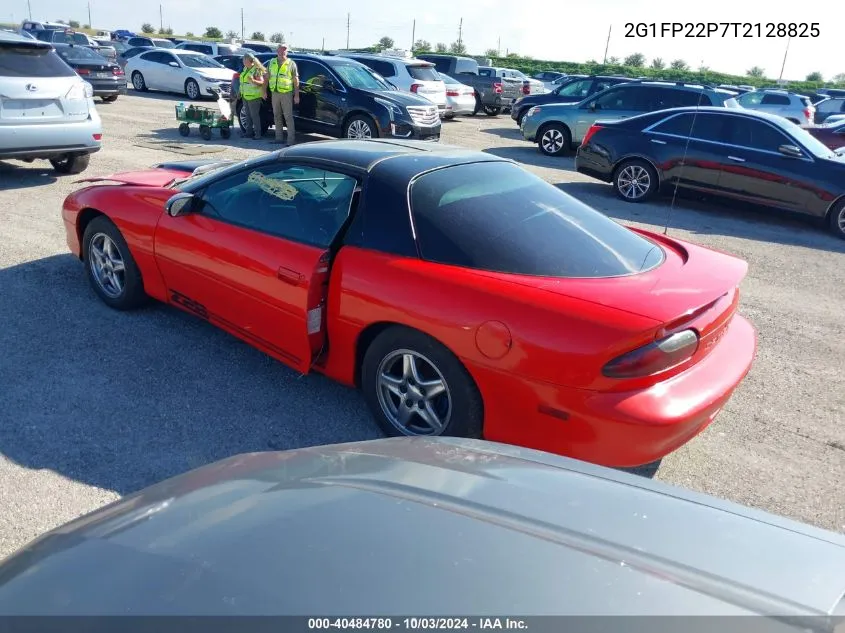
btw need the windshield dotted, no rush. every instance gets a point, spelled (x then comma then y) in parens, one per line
(80, 54)
(578, 89)
(423, 72)
(496, 216)
(80, 38)
(164, 44)
(225, 49)
(199, 61)
(360, 77)
(813, 145)
(446, 79)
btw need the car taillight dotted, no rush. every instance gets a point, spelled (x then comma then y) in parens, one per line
(117, 71)
(83, 71)
(655, 357)
(97, 137)
(592, 130)
(453, 93)
(497, 88)
(526, 89)
(415, 87)
(807, 113)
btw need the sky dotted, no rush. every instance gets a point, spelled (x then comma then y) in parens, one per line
(544, 29)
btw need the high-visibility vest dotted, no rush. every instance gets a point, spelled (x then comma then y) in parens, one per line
(249, 91)
(281, 76)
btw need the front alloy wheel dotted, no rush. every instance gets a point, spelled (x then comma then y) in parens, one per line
(359, 129)
(413, 394)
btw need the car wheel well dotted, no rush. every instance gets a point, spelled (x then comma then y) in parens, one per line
(372, 331)
(622, 161)
(542, 129)
(83, 220)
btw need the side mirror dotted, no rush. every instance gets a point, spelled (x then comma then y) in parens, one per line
(174, 64)
(592, 106)
(791, 150)
(180, 204)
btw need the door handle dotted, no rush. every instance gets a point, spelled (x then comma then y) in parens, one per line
(654, 140)
(736, 159)
(290, 276)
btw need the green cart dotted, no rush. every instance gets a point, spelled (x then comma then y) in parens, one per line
(206, 118)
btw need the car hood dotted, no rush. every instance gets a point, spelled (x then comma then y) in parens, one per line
(213, 73)
(159, 175)
(399, 98)
(343, 529)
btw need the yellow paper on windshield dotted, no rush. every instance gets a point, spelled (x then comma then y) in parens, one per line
(277, 188)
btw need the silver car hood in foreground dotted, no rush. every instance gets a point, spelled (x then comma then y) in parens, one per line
(418, 526)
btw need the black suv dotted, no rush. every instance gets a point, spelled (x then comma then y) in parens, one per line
(572, 90)
(343, 98)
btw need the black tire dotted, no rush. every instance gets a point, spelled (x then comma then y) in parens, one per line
(554, 139)
(71, 164)
(132, 294)
(520, 116)
(225, 132)
(138, 82)
(836, 219)
(478, 106)
(110, 99)
(360, 122)
(635, 180)
(205, 132)
(492, 110)
(192, 90)
(184, 129)
(465, 417)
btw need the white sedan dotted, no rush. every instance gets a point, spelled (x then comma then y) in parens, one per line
(193, 74)
(460, 98)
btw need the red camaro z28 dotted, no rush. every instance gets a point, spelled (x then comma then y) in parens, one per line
(462, 294)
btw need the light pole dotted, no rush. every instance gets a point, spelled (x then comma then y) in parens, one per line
(785, 53)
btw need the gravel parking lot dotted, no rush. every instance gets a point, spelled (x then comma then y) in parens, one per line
(95, 404)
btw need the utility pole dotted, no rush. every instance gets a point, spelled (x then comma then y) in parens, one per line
(607, 46)
(348, 15)
(460, 32)
(499, 47)
(29, 8)
(161, 19)
(786, 52)
(243, 31)
(89, 15)
(413, 34)
(323, 48)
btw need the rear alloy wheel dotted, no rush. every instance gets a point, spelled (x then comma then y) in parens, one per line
(635, 181)
(192, 90)
(492, 110)
(360, 127)
(416, 387)
(138, 82)
(836, 220)
(71, 164)
(554, 140)
(110, 99)
(112, 271)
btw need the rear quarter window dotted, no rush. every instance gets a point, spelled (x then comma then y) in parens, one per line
(423, 73)
(497, 217)
(29, 61)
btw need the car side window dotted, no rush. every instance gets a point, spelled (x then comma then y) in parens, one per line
(155, 57)
(577, 89)
(709, 127)
(831, 105)
(773, 99)
(629, 99)
(678, 125)
(312, 74)
(750, 99)
(746, 132)
(686, 98)
(601, 85)
(304, 204)
(385, 69)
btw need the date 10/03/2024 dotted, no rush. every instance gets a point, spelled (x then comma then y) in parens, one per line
(723, 29)
(418, 623)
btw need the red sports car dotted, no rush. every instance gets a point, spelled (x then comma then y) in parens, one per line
(832, 136)
(462, 294)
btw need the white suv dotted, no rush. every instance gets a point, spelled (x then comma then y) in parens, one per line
(406, 73)
(46, 110)
(797, 108)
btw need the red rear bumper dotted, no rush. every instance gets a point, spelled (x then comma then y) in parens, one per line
(618, 429)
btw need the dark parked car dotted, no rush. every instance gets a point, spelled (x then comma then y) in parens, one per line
(828, 107)
(833, 136)
(479, 527)
(741, 154)
(106, 78)
(571, 90)
(141, 41)
(343, 98)
(128, 54)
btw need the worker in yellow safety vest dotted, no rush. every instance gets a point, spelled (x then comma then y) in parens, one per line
(284, 90)
(253, 89)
